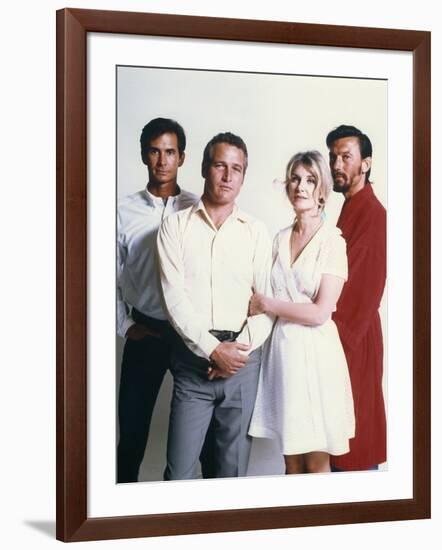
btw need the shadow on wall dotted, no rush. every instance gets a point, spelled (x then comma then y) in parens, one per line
(45, 527)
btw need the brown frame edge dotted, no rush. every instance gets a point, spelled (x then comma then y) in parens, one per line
(72, 521)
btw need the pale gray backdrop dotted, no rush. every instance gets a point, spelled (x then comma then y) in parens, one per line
(277, 116)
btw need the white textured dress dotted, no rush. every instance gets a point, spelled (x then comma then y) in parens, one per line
(304, 397)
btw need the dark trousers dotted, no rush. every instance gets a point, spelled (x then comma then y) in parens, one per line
(144, 365)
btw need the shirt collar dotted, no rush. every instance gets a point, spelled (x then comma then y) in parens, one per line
(153, 200)
(236, 212)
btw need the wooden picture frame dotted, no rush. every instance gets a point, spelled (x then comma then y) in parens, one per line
(73, 523)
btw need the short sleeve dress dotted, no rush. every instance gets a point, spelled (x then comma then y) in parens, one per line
(304, 397)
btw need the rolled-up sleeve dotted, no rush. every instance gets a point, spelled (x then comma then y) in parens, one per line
(124, 319)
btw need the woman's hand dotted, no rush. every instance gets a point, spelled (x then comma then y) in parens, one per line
(258, 304)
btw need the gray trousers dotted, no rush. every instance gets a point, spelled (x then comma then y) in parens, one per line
(224, 404)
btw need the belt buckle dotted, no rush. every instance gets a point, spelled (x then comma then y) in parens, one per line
(224, 335)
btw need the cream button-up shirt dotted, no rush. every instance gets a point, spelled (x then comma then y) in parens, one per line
(208, 276)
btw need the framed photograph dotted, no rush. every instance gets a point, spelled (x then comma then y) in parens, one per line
(282, 87)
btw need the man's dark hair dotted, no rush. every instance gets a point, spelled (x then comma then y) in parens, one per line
(156, 128)
(223, 137)
(345, 131)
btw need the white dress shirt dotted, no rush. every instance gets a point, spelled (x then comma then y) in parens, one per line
(138, 285)
(208, 276)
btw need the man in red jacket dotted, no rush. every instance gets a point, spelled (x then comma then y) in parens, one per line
(363, 225)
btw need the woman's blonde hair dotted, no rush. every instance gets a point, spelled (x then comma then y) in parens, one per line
(317, 165)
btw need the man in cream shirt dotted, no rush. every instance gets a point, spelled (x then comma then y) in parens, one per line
(211, 256)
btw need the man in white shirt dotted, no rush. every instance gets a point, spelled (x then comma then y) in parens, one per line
(141, 318)
(212, 255)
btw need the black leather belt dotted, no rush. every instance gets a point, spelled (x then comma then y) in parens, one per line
(150, 322)
(225, 335)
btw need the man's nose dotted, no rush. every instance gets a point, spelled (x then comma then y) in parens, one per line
(337, 163)
(227, 175)
(162, 157)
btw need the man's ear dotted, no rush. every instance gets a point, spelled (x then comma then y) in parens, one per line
(366, 164)
(182, 157)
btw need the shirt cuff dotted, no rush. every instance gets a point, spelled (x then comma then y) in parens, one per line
(125, 325)
(244, 338)
(207, 344)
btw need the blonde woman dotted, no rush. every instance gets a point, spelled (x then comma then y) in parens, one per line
(304, 397)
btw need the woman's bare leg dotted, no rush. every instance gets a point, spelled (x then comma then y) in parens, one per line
(294, 464)
(317, 461)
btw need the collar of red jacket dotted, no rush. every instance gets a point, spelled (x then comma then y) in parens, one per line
(361, 195)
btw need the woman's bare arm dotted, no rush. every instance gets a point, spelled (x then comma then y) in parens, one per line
(314, 314)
